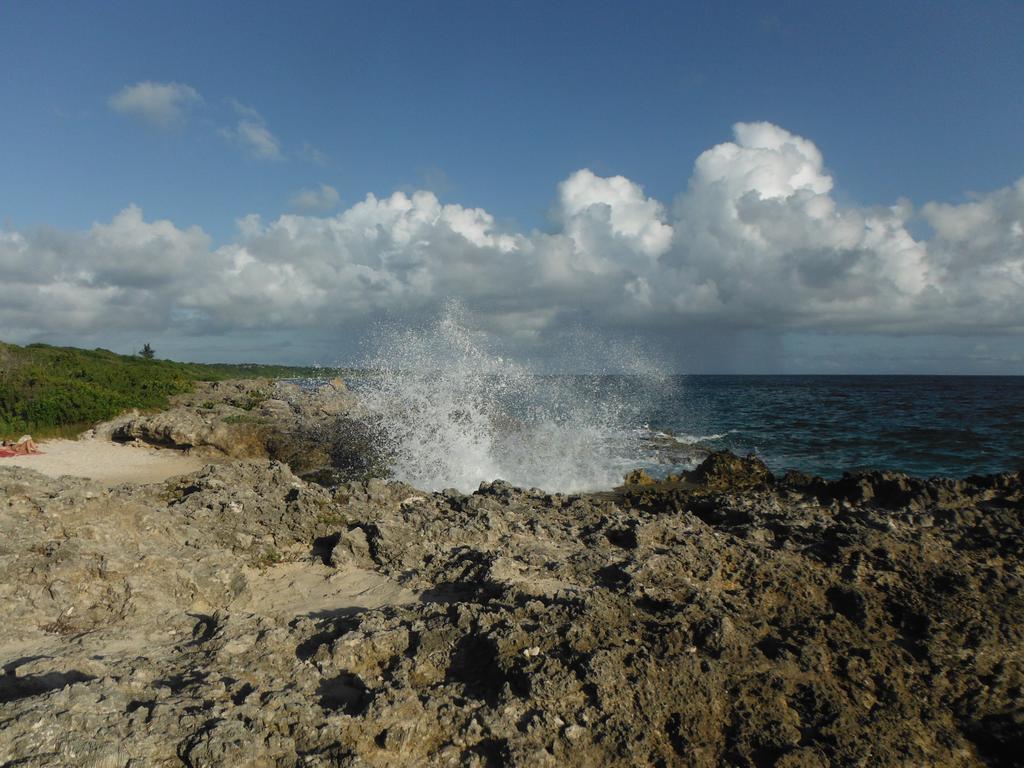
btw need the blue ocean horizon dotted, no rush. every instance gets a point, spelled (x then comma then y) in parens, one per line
(457, 427)
(922, 425)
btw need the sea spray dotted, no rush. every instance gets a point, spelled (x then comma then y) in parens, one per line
(453, 413)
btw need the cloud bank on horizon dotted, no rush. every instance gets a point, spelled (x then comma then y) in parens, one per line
(756, 240)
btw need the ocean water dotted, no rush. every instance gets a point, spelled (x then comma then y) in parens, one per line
(825, 425)
(453, 428)
(451, 413)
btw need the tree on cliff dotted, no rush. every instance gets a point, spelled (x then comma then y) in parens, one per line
(147, 351)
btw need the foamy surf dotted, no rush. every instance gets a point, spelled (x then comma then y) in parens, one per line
(693, 439)
(453, 414)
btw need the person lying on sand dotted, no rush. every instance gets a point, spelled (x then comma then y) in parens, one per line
(25, 446)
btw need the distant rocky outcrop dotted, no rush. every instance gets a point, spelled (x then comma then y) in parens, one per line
(242, 616)
(310, 428)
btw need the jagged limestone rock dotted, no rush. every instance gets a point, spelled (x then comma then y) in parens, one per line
(242, 616)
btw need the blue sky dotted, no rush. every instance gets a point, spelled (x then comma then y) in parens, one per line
(492, 106)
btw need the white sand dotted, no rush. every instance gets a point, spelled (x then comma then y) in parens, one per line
(109, 463)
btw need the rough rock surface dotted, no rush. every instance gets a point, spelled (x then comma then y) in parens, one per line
(243, 617)
(310, 429)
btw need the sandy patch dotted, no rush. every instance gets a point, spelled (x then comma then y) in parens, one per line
(109, 463)
(293, 589)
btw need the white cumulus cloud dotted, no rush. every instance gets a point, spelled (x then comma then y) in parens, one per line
(759, 232)
(608, 218)
(161, 105)
(754, 241)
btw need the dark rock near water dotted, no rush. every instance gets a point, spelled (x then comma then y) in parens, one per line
(242, 616)
(723, 470)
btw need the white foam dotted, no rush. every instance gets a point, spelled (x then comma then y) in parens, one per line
(454, 414)
(694, 439)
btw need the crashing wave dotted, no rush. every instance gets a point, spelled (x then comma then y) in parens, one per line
(453, 414)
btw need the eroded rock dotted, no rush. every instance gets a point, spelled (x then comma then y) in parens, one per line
(242, 616)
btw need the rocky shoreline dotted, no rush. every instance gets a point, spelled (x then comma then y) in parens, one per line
(245, 615)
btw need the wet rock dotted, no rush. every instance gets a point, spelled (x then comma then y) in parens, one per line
(723, 470)
(638, 477)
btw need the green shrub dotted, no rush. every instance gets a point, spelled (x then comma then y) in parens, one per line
(46, 389)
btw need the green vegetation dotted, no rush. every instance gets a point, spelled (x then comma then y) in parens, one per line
(54, 390)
